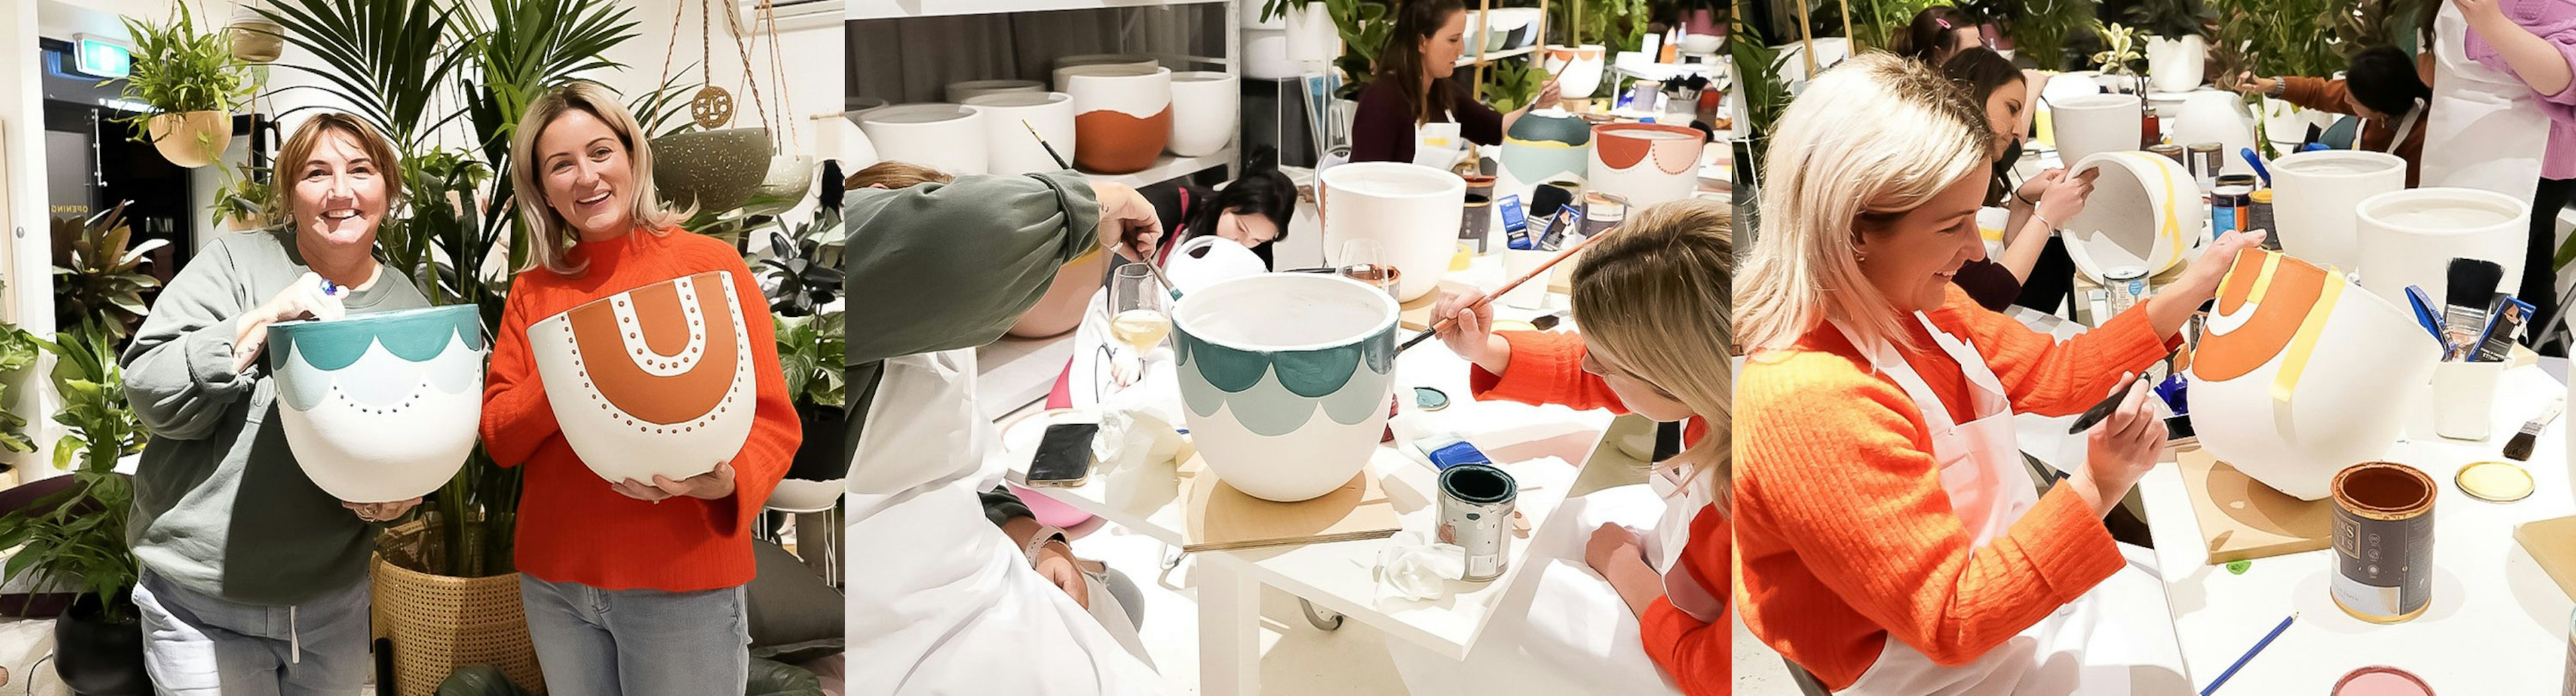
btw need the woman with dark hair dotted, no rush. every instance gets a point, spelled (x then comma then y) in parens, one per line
(2384, 87)
(1414, 87)
(2034, 269)
(1253, 210)
(1938, 33)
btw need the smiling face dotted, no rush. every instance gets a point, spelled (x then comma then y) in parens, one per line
(1912, 257)
(1441, 50)
(2003, 114)
(587, 176)
(1640, 396)
(340, 192)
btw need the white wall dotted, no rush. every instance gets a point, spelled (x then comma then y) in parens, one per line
(28, 301)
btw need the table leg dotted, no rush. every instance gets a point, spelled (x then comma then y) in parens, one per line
(1229, 630)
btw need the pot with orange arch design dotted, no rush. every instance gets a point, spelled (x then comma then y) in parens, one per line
(654, 380)
(2298, 372)
(1647, 163)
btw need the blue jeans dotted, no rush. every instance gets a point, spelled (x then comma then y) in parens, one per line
(638, 642)
(195, 644)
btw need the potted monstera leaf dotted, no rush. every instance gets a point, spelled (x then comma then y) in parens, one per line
(191, 81)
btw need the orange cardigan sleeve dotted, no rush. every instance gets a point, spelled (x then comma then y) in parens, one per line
(1847, 479)
(1699, 656)
(2052, 378)
(517, 419)
(775, 430)
(1546, 368)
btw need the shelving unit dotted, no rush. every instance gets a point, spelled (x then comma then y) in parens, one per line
(1485, 13)
(1465, 61)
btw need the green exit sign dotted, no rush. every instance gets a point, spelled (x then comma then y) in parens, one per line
(92, 55)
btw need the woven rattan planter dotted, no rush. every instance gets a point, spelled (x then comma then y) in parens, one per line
(439, 624)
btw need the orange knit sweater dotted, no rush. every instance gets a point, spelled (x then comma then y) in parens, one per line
(1844, 536)
(1547, 368)
(572, 526)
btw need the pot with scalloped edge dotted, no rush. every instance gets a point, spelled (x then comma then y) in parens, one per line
(1285, 379)
(343, 384)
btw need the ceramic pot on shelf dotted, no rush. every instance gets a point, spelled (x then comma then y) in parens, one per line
(191, 139)
(1265, 55)
(1311, 33)
(1285, 378)
(1205, 106)
(343, 384)
(946, 137)
(1010, 147)
(1646, 163)
(1411, 210)
(1122, 116)
(1578, 69)
(1543, 145)
(654, 380)
(959, 92)
(2315, 196)
(2145, 211)
(2409, 238)
(2095, 123)
(1067, 63)
(2175, 65)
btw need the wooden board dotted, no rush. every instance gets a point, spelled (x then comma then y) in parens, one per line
(1219, 517)
(2242, 519)
(2552, 543)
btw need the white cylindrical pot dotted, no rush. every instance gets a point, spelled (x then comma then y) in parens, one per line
(2219, 117)
(652, 381)
(1285, 378)
(344, 385)
(2409, 238)
(1647, 163)
(1008, 116)
(959, 92)
(1090, 59)
(1204, 109)
(1265, 55)
(2290, 404)
(1122, 116)
(1311, 33)
(1411, 210)
(2095, 123)
(1577, 69)
(2144, 212)
(946, 137)
(2314, 195)
(2464, 398)
(2174, 65)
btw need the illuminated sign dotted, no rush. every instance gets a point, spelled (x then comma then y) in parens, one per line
(92, 55)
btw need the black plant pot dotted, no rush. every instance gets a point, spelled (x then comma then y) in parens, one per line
(96, 657)
(822, 456)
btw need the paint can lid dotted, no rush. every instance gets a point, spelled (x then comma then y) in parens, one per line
(2381, 680)
(1429, 399)
(2208, 147)
(2495, 482)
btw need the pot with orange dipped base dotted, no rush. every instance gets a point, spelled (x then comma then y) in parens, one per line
(1122, 116)
(654, 380)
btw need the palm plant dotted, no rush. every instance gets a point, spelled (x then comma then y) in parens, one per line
(94, 272)
(79, 532)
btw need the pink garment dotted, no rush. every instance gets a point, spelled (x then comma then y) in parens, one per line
(2554, 20)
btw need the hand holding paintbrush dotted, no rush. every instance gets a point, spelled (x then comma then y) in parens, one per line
(1440, 323)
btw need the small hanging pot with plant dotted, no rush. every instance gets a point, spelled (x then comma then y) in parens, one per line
(191, 82)
(256, 40)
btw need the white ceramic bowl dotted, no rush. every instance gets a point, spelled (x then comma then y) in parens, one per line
(1204, 110)
(959, 92)
(1012, 150)
(2315, 196)
(343, 386)
(654, 380)
(2144, 212)
(2095, 123)
(1411, 210)
(1647, 163)
(946, 137)
(2409, 238)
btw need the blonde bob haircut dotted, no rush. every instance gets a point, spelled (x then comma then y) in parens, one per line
(1656, 294)
(553, 236)
(1869, 140)
(299, 148)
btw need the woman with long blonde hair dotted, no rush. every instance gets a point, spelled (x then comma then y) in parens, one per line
(1653, 299)
(624, 593)
(1890, 539)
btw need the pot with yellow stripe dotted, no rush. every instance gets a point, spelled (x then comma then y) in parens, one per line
(2144, 212)
(2297, 373)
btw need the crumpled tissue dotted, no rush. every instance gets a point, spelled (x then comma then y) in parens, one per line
(1415, 568)
(1136, 432)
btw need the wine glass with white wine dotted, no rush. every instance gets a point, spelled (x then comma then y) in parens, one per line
(1136, 319)
(1362, 261)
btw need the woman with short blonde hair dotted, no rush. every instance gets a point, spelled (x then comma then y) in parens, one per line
(1890, 539)
(624, 594)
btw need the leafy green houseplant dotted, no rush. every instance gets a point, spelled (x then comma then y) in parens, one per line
(244, 200)
(17, 352)
(1618, 25)
(1884, 20)
(1365, 26)
(1509, 85)
(2171, 18)
(76, 535)
(801, 276)
(2040, 28)
(2124, 49)
(95, 274)
(191, 82)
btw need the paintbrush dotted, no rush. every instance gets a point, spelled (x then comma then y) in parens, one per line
(2431, 320)
(2519, 448)
(2473, 286)
(2102, 410)
(1442, 322)
(1059, 159)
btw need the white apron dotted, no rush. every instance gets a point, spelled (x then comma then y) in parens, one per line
(2486, 130)
(941, 602)
(2090, 646)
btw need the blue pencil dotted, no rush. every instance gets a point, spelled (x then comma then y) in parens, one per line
(2249, 654)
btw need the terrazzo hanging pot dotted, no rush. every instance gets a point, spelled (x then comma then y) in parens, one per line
(2409, 238)
(1010, 147)
(654, 380)
(1122, 116)
(1204, 106)
(946, 137)
(1577, 69)
(1411, 210)
(790, 178)
(959, 92)
(2144, 212)
(2315, 196)
(1543, 145)
(1646, 163)
(1286, 378)
(2093, 123)
(713, 170)
(344, 385)
(2292, 380)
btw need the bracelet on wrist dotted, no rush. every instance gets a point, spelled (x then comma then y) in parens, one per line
(1046, 534)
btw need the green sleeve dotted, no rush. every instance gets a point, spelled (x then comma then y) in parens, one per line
(944, 266)
(179, 368)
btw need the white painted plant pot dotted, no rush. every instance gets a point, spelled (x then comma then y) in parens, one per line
(1577, 69)
(946, 137)
(2174, 65)
(2167, 105)
(2291, 411)
(1204, 110)
(1252, 18)
(2219, 117)
(1311, 34)
(1265, 55)
(959, 92)
(1286, 378)
(1122, 115)
(1647, 163)
(1012, 150)
(1542, 146)
(2409, 238)
(2144, 212)
(652, 381)
(1411, 210)
(2314, 195)
(2095, 123)
(1064, 65)
(384, 406)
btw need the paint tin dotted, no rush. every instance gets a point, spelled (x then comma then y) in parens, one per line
(1473, 224)
(1475, 513)
(2205, 160)
(2127, 286)
(2383, 542)
(2258, 216)
(2169, 151)
(2229, 206)
(1602, 211)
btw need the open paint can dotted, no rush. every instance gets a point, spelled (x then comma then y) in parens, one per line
(2381, 681)
(2383, 542)
(1475, 513)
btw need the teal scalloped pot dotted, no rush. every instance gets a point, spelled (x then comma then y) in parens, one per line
(1543, 147)
(1293, 414)
(343, 385)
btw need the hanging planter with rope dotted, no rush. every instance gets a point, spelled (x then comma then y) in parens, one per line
(723, 169)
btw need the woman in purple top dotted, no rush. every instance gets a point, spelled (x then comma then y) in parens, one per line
(2535, 41)
(1413, 86)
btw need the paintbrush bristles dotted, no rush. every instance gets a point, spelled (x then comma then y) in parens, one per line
(2472, 285)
